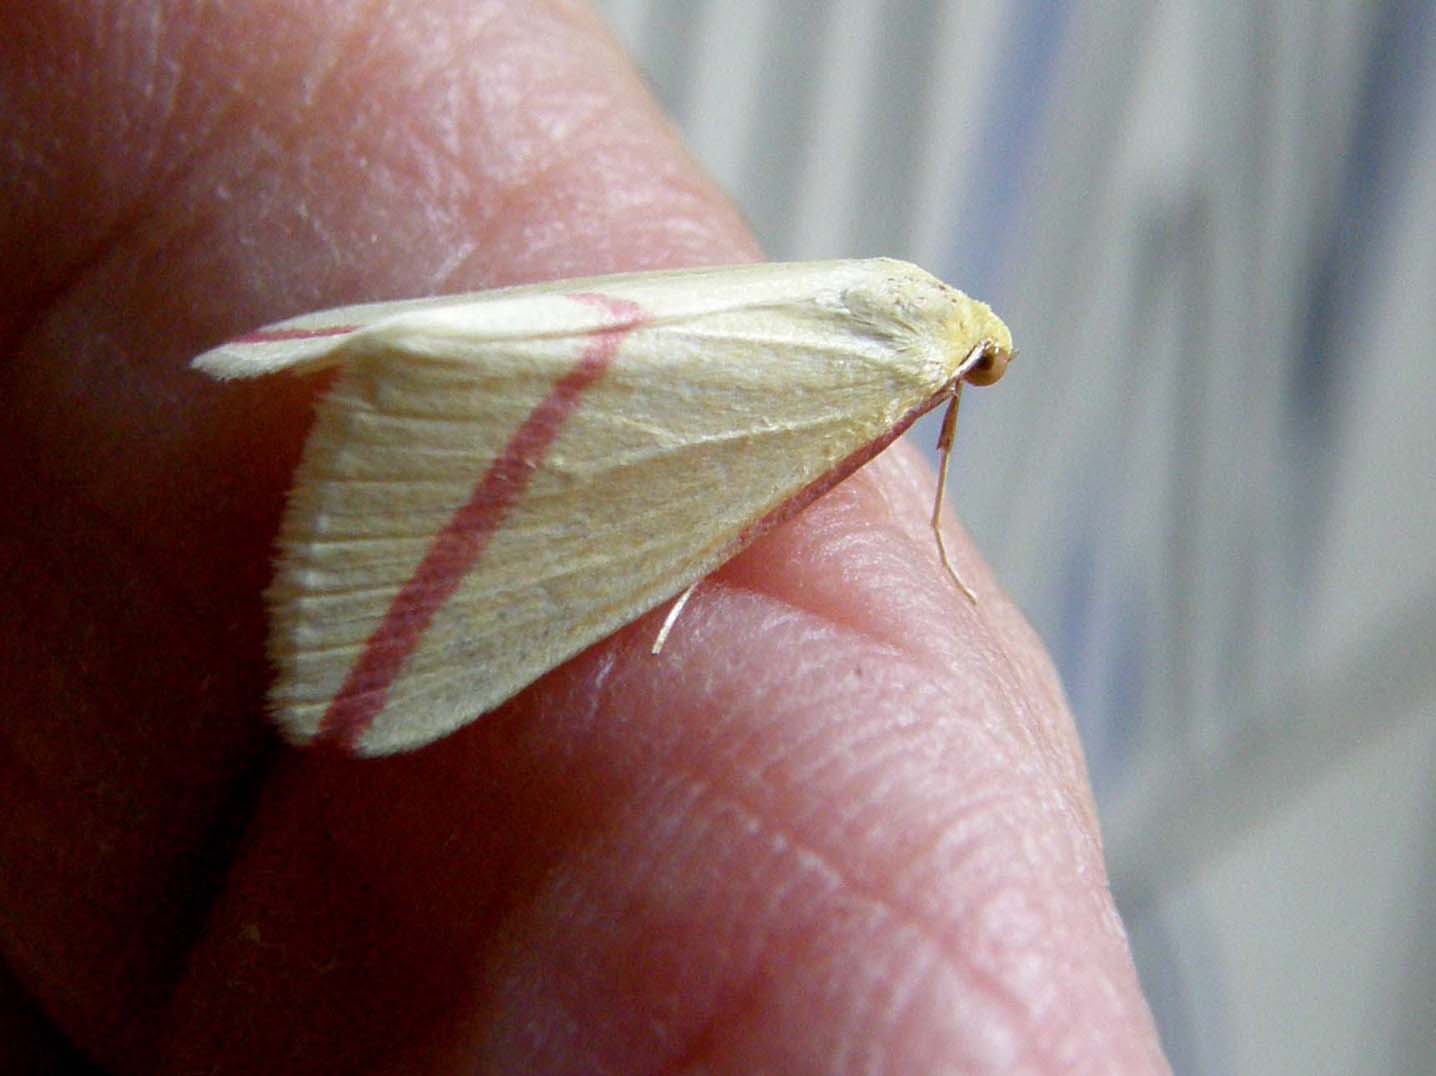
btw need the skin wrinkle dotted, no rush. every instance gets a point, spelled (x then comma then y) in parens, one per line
(708, 1039)
(811, 934)
(1015, 688)
(41, 166)
(510, 202)
(877, 748)
(419, 156)
(515, 198)
(159, 94)
(992, 980)
(958, 821)
(162, 182)
(720, 588)
(837, 753)
(544, 242)
(761, 693)
(128, 230)
(326, 64)
(733, 739)
(1068, 784)
(858, 625)
(88, 507)
(811, 938)
(908, 915)
(904, 995)
(503, 194)
(504, 158)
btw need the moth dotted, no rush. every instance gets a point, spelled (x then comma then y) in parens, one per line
(497, 480)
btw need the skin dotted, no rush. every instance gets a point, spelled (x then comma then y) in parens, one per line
(841, 825)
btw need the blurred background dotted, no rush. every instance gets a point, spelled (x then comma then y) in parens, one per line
(1211, 479)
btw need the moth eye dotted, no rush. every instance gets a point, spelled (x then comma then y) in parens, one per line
(989, 367)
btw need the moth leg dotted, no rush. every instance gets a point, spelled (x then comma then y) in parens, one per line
(944, 453)
(672, 617)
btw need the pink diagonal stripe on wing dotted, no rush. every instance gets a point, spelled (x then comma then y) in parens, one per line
(274, 336)
(461, 543)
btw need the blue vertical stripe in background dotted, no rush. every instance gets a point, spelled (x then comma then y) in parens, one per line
(1016, 103)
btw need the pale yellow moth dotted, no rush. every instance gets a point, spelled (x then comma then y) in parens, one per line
(498, 480)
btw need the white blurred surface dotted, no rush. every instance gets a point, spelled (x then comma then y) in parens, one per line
(1211, 479)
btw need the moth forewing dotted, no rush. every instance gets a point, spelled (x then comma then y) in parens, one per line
(499, 480)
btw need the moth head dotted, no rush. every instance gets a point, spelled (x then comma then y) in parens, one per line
(986, 363)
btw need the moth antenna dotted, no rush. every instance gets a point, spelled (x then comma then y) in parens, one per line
(944, 454)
